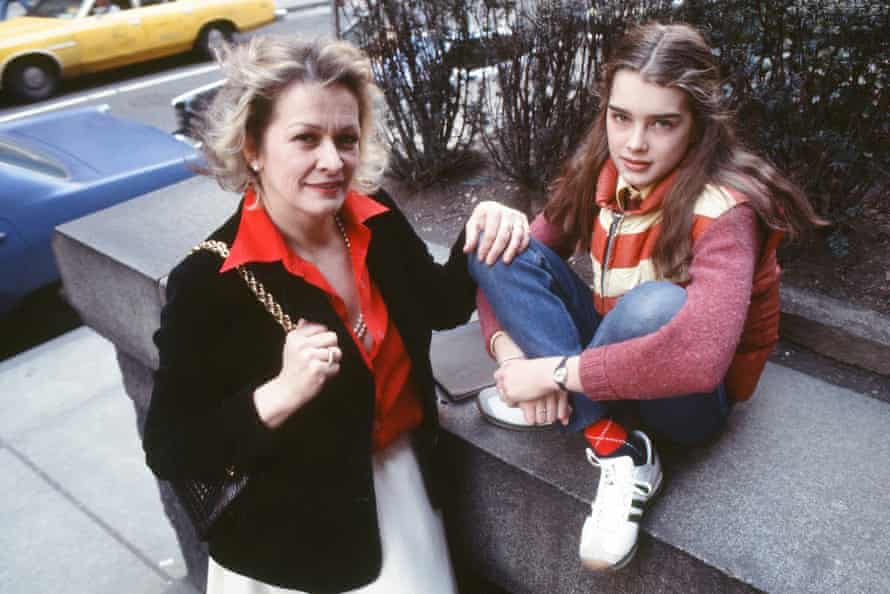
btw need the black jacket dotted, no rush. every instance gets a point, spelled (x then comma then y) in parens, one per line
(307, 519)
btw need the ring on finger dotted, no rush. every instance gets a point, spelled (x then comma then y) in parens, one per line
(330, 356)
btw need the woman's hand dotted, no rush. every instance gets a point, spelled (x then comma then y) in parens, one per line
(310, 356)
(495, 231)
(528, 383)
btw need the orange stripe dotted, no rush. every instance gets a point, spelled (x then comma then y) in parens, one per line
(699, 225)
(603, 305)
(627, 249)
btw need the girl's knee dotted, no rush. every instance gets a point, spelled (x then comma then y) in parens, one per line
(649, 306)
(499, 272)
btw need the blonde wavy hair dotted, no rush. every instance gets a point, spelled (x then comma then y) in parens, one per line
(257, 71)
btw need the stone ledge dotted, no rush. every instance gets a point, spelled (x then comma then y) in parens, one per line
(147, 236)
(136, 243)
(769, 507)
(836, 329)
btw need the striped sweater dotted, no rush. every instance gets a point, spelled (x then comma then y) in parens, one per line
(729, 323)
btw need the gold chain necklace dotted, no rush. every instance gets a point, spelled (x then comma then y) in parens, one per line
(360, 328)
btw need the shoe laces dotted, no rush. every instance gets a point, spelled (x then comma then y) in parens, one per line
(615, 491)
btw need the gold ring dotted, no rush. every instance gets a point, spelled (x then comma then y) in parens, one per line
(330, 356)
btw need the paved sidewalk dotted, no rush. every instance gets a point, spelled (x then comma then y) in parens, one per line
(80, 511)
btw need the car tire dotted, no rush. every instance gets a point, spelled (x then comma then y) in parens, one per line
(213, 37)
(31, 79)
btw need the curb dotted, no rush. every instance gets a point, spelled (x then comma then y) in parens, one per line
(297, 7)
(844, 332)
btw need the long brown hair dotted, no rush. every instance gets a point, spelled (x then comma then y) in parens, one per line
(677, 56)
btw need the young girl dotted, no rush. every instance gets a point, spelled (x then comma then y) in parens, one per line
(681, 224)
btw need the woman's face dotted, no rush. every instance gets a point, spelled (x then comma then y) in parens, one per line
(309, 151)
(649, 128)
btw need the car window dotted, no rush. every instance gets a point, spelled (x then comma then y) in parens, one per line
(11, 154)
(109, 6)
(61, 9)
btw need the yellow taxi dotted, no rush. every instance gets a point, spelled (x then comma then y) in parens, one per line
(59, 39)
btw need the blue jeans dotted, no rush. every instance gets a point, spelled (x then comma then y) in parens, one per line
(548, 310)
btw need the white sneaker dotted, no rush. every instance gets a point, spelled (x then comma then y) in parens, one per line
(495, 411)
(609, 535)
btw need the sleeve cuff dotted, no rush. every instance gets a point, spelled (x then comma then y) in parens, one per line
(242, 424)
(592, 369)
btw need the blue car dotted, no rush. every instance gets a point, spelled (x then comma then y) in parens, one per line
(66, 164)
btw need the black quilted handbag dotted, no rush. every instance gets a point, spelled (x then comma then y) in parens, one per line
(206, 501)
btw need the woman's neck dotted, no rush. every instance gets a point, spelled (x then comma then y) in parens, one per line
(306, 234)
(312, 234)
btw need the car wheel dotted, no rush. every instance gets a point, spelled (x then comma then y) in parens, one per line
(31, 79)
(212, 38)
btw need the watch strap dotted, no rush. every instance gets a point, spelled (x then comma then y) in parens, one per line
(559, 378)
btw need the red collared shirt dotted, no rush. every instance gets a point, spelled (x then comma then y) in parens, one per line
(397, 408)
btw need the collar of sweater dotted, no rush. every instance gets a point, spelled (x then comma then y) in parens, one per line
(607, 184)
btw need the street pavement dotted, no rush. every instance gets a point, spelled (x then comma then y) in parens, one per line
(293, 5)
(80, 512)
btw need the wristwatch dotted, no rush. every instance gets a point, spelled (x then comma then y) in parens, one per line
(561, 374)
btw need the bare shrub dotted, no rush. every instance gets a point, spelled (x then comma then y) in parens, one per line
(538, 103)
(426, 96)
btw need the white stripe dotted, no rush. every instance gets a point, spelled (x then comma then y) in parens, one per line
(632, 223)
(713, 202)
(298, 14)
(621, 280)
(109, 92)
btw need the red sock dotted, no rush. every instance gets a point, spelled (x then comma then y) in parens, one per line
(605, 436)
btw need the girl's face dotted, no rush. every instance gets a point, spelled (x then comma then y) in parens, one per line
(309, 151)
(649, 128)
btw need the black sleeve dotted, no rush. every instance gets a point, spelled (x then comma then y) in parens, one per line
(201, 421)
(447, 291)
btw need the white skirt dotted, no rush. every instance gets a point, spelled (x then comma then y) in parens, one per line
(415, 554)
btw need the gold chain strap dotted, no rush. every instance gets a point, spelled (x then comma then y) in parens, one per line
(265, 298)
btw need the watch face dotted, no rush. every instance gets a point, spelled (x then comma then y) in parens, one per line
(560, 374)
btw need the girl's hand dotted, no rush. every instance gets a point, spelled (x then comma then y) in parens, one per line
(309, 358)
(529, 384)
(543, 411)
(553, 406)
(495, 231)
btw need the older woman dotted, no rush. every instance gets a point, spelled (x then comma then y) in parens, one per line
(334, 422)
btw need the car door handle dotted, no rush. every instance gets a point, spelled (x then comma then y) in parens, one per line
(2, 236)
